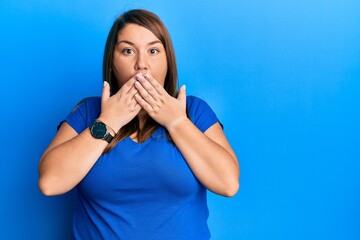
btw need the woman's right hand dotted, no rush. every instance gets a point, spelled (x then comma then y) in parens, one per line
(119, 109)
(59, 168)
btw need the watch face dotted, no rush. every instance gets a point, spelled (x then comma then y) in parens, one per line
(98, 130)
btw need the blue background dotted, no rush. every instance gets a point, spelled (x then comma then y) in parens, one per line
(283, 76)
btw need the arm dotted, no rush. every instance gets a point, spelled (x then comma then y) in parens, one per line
(70, 156)
(209, 155)
(68, 159)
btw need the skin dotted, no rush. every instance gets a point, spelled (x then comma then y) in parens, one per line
(140, 67)
(138, 51)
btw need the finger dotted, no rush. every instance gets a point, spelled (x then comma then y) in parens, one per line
(156, 85)
(147, 86)
(144, 94)
(137, 107)
(182, 96)
(130, 84)
(105, 95)
(131, 93)
(142, 103)
(126, 87)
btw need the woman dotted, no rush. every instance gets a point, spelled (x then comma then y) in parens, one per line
(142, 156)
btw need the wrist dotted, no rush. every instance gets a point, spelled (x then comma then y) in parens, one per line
(113, 127)
(100, 130)
(175, 124)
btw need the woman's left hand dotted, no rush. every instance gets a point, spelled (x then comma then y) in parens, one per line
(208, 154)
(153, 98)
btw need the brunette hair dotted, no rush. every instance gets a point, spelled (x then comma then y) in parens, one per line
(153, 23)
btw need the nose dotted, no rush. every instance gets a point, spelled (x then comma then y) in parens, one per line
(141, 63)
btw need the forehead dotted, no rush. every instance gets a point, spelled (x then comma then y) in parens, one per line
(136, 34)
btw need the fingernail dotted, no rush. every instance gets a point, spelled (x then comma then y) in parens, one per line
(105, 82)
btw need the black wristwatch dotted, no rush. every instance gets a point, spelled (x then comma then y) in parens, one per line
(100, 130)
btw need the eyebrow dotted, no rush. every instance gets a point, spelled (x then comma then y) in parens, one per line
(133, 44)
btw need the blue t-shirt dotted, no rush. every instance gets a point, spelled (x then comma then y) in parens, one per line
(141, 190)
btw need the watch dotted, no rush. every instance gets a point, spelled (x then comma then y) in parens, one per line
(99, 130)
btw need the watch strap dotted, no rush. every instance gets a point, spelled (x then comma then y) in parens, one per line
(108, 137)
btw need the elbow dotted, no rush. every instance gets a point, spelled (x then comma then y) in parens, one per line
(232, 186)
(46, 188)
(49, 185)
(231, 189)
(228, 189)
(43, 182)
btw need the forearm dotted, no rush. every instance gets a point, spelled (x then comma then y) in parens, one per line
(215, 167)
(64, 166)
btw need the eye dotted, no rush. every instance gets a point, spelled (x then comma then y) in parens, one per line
(153, 51)
(127, 51)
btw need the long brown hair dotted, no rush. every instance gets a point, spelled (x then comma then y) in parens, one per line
(153, 23)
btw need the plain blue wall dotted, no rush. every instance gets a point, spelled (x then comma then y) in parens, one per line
(283, 76)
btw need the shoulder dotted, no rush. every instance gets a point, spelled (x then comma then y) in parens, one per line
(200, 113)
(87, 109)
(196, 105)
(83, 114)
(88, 103)
(193, 101)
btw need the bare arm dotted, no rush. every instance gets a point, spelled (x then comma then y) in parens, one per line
(68, 159)
(208, 154)
(70, 156)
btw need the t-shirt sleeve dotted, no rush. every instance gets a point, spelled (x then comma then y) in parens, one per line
(83, 114)
(200, 113)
